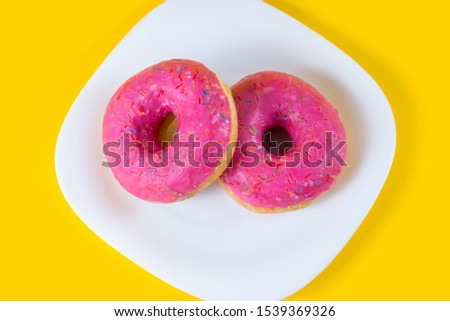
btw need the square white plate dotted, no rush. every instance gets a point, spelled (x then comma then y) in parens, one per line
(210, 246)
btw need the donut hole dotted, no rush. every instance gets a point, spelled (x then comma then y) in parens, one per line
(277, 141)
(168, 129)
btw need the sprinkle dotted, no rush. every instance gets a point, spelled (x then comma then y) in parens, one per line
(180, 69)
(223, 116)
(133, 131)
(171, 191)
(299, 190)
(290, 179)
(247, 101)
(141, 110)
(260, 149)
(292, 194)
(318, 182)
(204, 92)
(252, 130)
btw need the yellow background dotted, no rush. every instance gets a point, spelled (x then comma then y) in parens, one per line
(49, 49)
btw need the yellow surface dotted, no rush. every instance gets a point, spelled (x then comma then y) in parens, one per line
(51, 48)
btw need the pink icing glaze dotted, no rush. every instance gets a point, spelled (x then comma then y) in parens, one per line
(197, 98)
(267, 99)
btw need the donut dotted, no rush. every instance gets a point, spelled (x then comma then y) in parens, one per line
(142, 111)
(263, 179)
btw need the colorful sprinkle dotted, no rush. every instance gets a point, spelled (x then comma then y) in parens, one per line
(252, 130)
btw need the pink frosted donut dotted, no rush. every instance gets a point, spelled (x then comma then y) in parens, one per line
(139, 109)
(269, 182)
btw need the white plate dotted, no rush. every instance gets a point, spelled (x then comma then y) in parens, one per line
(210, 246)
